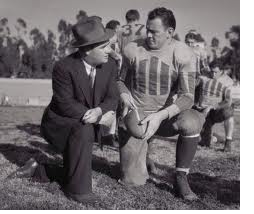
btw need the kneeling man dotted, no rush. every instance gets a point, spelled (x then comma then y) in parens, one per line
(84, 96)
(154, 70)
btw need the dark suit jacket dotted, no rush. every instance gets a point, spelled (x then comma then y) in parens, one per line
(72, 97)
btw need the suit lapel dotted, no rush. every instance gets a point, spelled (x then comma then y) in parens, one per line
(99, 81)
(83, 81)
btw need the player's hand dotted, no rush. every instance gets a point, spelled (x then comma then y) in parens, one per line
(127, 103)
(154, 120)
(207, 110)
(92, 115)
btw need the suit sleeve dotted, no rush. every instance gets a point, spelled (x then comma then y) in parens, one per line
(63, 94)
(110, 101)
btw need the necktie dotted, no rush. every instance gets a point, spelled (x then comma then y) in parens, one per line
(92, 77)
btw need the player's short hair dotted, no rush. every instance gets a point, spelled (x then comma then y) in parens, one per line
(167, 17)
(132, 15)
(215, 41)
(216, 63)
(191, 35)
(112, 24)
(235, 29)
(21, 22)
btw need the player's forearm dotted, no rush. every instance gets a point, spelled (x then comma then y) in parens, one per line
(224, 104)
(183, 102)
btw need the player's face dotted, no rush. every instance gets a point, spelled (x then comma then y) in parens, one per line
(157, 34)
(191, 42)
(216, 72)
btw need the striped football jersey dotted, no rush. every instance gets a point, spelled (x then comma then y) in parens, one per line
(213, 91)
(202, 59)
(152, 75)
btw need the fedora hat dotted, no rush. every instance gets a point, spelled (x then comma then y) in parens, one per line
(89, 32)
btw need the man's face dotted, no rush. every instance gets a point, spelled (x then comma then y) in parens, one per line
(191, 42)
(99, 54)
(157, 34)
(216, 72)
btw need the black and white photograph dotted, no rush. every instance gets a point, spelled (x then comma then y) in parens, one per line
(120, 105)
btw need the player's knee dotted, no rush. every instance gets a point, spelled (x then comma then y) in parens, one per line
(223, 114)
(190, 122)
(228, 112)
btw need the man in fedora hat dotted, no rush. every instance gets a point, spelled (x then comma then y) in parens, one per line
(84, 97)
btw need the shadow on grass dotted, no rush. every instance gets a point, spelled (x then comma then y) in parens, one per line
(30, 128)
(223, 190)
(102, 165)
(19, 155)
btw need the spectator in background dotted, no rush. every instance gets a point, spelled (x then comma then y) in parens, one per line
(113, 25)
(133, 30)
(195, 41)
(232, 56)
(215, 50)
(81, 16)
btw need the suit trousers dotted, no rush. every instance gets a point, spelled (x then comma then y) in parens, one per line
(76, 174)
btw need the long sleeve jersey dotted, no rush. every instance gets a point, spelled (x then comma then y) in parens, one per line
(153, 77)
(214, 92)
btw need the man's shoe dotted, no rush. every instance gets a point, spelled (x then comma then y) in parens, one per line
(26, 171)
(228, 145)
(182, 187)
(83, 198)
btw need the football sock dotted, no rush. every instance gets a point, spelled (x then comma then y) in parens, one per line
(185, 151)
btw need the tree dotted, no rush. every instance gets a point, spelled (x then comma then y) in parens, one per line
(39, 53)
(65, 38)
(51, 45)
(21, 28)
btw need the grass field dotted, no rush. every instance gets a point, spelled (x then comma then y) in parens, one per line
(215, 176)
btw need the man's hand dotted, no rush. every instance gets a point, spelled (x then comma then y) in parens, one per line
(154, 120)
(92, 115)
(127, 103)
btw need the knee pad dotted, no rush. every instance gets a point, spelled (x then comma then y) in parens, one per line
(190, 122)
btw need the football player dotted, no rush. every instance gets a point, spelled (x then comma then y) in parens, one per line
(132, 30)
(192, 39)
(214, 98)
(151, 68)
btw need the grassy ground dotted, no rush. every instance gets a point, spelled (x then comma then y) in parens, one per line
(215, 176)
